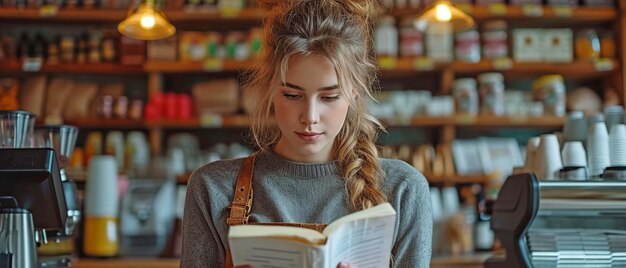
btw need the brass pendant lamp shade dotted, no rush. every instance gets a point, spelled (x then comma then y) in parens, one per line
(444, 11)
(146, 23)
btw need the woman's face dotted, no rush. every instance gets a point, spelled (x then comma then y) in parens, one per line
(310, 110)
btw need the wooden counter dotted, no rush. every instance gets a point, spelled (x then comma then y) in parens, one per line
(126, 263)
(472, 261)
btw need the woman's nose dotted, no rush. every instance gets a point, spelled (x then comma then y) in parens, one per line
(310, 114)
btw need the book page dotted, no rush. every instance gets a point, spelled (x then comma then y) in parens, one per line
(288, 232)
(384, 209)
(364, 243)
(275, 253)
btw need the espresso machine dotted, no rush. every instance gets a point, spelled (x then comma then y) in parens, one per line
(61, 138)
(560, 223)
(32, 199)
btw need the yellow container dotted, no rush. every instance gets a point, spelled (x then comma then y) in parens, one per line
(101, 236)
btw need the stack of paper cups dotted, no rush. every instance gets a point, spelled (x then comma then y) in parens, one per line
(101, 207)
(575, 128)
(551, 156)
(597, 149)
(532, 154)
(617, 145)
(573, 154)
(613, 115)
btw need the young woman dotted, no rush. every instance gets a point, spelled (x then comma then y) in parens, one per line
(317, 159)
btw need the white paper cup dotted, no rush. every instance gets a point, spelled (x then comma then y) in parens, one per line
(551, 155)
(597, 149)
(617, 145)
(102, 187)
(574, 154)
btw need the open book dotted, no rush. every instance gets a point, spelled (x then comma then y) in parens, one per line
(363, 238)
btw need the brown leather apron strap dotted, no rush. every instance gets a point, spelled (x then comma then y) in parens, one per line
(242, 201)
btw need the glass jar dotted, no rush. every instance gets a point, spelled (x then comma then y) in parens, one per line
(465, 96)
(550, 90)
(467, 47)
(587, 44)
(491, 93)
(495, 44)
(386, 37)
(411, 40)
(607, 45)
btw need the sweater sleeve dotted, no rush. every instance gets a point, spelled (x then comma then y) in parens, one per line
(413, 245)
(201, 242)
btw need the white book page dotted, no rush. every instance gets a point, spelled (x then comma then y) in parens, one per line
(290, 232)
(275, 253)
(364, 243)
(384, 209)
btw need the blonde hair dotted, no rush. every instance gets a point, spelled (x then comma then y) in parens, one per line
(339, 30)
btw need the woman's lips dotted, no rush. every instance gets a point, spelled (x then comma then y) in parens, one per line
(308, 136)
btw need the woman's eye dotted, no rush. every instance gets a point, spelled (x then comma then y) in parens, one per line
(291, 96)
(330, 98)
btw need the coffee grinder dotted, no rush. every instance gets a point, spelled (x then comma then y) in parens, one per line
(62, 138)
(32, 201)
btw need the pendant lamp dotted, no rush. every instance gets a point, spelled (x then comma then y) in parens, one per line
(444, 11)
(146, 23)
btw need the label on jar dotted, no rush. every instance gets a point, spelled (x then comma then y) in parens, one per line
(423, 64)
(532, 10)
(603, 65)
(563, 11)
(387, 63)
(48, 11)
(32, 64)
(497, 9)
(501, 64)
(495, 44)
(213, 65)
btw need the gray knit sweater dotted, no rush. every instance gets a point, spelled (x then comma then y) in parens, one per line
(286, 191)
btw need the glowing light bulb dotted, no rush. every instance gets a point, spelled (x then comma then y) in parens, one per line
(147, 21)
(443, 12)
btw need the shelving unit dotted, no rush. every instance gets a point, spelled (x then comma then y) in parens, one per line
(610, 71)
(607, 70)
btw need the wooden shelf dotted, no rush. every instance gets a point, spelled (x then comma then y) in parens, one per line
(480, 13)
(525, 16)
(117, 15)
(197, 67)
(64, 68)
(577, 69)
(248, 14)
(585, 14)
(521, 122)
(224, 121)
(102, 123)
(63, 15)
